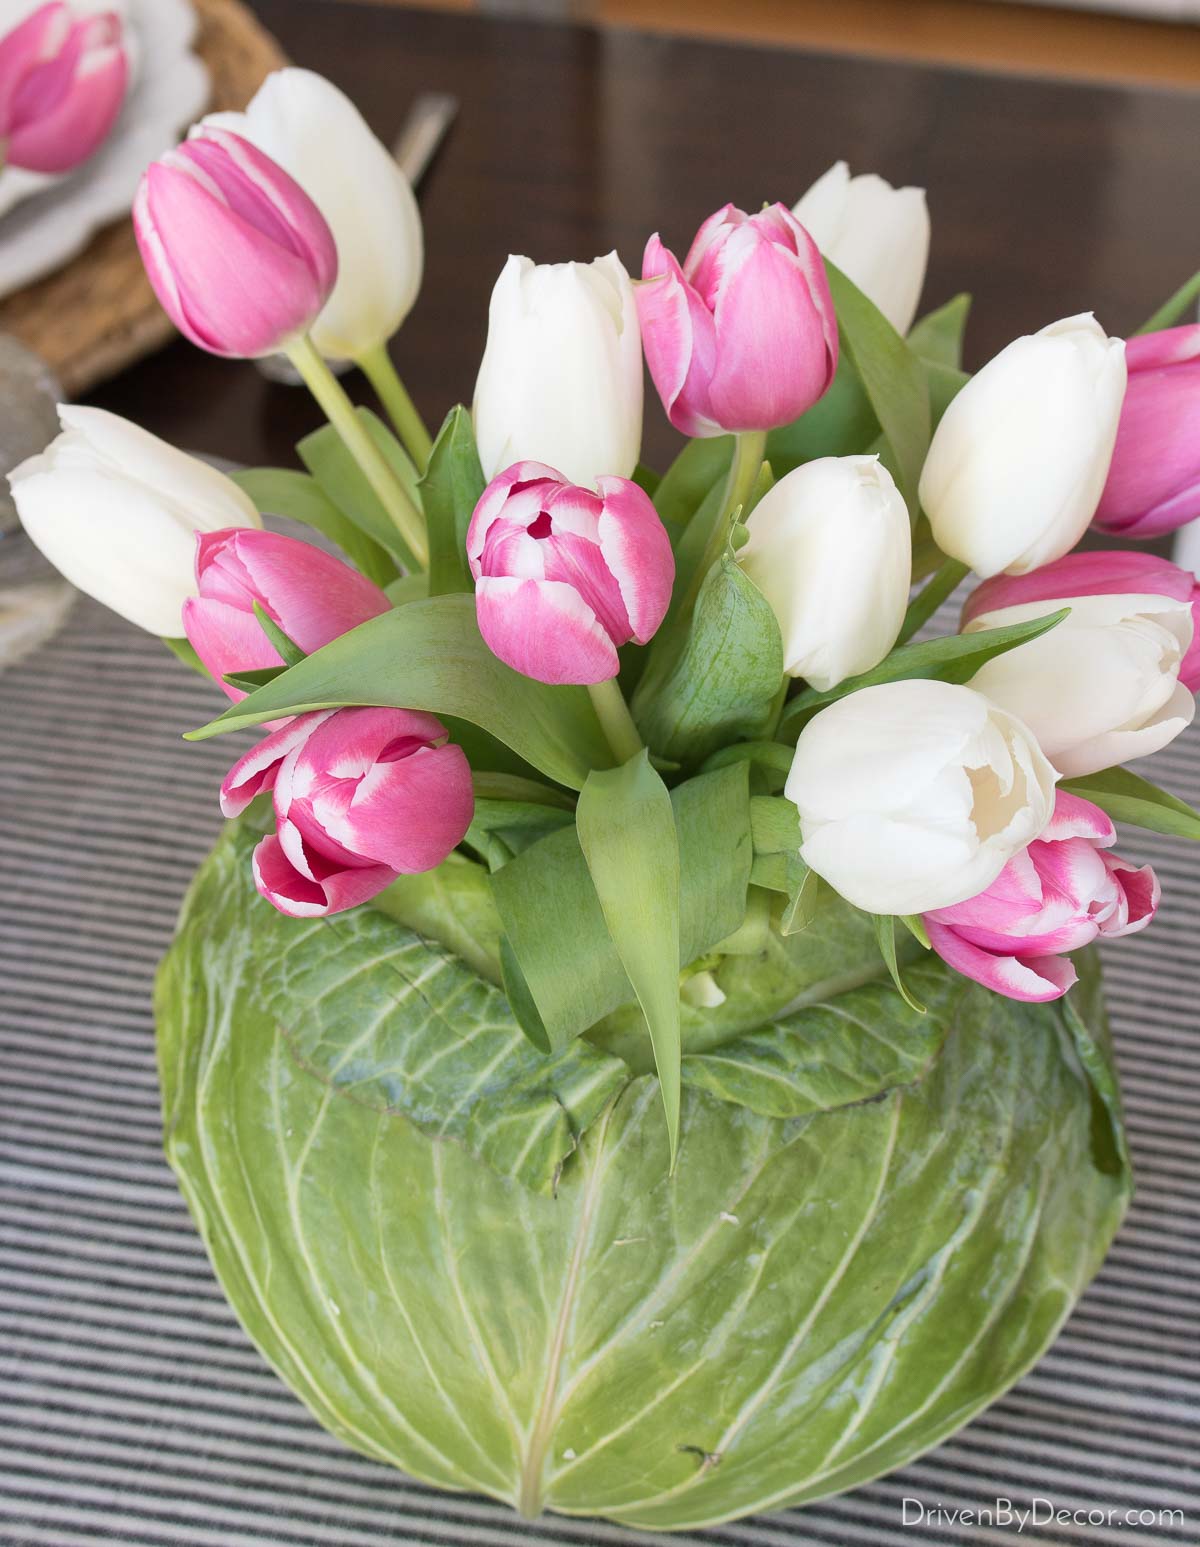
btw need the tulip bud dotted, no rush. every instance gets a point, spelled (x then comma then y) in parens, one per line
(1058, 895)
(743, 336)
(117, 511)
(1119, 572)
(1018, 461)
(830, 549)
(361, 796)
(62, 82)
(1103, 686)
(239, 256)
(311, 595)
(876, 234)
(914, 795)
(561, 376)
(1154, 481)
(563, 576)
(318, 136)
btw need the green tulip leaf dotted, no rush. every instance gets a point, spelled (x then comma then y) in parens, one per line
(892, 377)
(953, 658)
(286, 648)
(1175, 308)
(938, 588)
(700, 467)
(450, 490)
(725, 683)
(626, 828)
(937, 337)
(345, 484)
(1127, 797)
(429, 655)
(555, 924)
(282, 491)
(885, 933)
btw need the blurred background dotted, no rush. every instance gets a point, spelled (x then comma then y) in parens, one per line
(1138, 40)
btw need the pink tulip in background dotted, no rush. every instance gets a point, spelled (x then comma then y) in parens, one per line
(239, 255)
(743, 336)
(1154, 481)
(564, 576)
(62, 83)
(312, 596)
(1112, 572)
(1058, 895)
(361, 796)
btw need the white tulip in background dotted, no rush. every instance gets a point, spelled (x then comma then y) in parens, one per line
(1018, 463)
(915, 795)
(561, 378)
(876, 234)
(830, 548)
(316, 133)
(116, 510)
(1103, 686)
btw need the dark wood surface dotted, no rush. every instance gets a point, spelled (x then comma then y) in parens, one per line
(1047, 198)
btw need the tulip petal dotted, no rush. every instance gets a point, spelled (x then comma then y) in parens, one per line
(257, 769)
(407, 814)
(1034, 979)
(1075, 817)
(62, 136)
(1141, 892)
(544, 630)
(300, 896)
(637, 551)
(679, 339)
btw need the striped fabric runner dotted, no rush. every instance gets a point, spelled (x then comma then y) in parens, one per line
(133, 1409)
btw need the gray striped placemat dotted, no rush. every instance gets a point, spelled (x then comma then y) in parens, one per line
(133, 1409)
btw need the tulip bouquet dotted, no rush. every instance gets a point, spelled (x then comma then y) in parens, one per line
(619, 1054)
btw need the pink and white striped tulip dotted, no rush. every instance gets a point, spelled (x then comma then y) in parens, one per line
(1154, 481)
(1111, 572)
(311, 595)
(563, 576)
(240, 257)
(1058, 895)
(743, 335)
(361, 796)
(62, 83)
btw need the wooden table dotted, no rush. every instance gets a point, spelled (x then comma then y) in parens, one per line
(1047, 199)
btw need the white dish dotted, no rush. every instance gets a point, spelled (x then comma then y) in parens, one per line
(44, 221)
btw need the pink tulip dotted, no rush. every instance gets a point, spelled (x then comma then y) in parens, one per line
(564, 576)
(311, 595)
(361, 796)
(1154, 480)
(743, 336)
(239, 255)
(62, 83)
(1058, 895)
(1111, 572)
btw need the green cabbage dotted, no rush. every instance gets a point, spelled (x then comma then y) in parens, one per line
(468, 1258)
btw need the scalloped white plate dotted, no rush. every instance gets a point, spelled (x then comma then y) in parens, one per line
(45, 221)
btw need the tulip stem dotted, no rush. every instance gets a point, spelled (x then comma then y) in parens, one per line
(340, 412)
(377, 366)
(748, 448)
(615, 719)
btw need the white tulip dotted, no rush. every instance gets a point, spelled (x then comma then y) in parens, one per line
(117, 510)
(830, 548)
(316, 133)
(915, 795)
(1103, 686)
(1019, 461)
(561, 378)
(876, 234)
